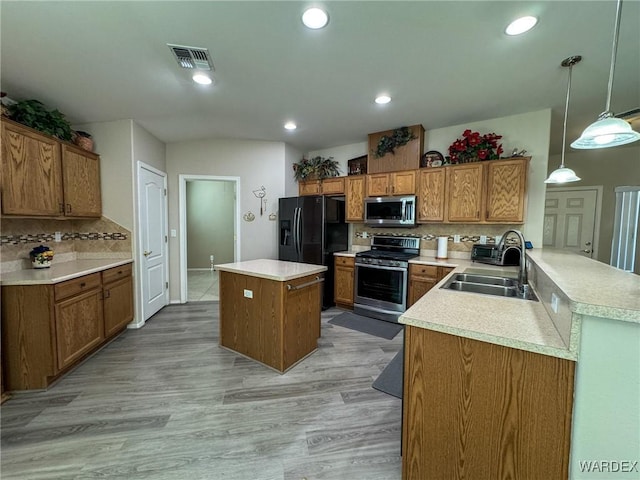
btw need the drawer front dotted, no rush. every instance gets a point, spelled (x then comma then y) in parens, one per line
(424, 270)
(345, 261)
(76, 286)
(116, 273)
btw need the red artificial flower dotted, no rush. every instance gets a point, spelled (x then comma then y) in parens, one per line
(466, 133)
(482, 154)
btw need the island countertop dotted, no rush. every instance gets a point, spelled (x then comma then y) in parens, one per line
(60, 272)
(278, 270)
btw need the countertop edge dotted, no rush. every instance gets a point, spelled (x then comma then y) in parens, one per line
(109, 263)
(245, 268)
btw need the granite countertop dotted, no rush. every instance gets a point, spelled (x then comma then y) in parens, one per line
(272, 269)
(59, 272)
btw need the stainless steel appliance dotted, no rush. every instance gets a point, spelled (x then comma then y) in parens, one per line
(381, 277)
(310, 229)
(495, 254)
(390, 211)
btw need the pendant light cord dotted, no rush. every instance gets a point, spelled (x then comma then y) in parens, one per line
(566, 113)
(614, 51)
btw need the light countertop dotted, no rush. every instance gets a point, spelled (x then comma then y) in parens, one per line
(59, 272)
(272, 269)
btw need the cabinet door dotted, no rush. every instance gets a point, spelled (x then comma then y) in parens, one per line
(403, 183)
(333, 186)
(506, 185)
(343, 283)
(378, 185)
(79, 326)
(464, 192)
(431, 195)
(31, 172)
(422, 278)
(118, 305)
(355, 198)
(311, 187)
(81, 176)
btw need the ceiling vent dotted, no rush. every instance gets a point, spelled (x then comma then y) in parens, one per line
(191, 57)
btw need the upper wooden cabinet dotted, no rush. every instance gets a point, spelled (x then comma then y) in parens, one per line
(431, 200)
(396, 183)
(464, 192)
(354, 194)
(328, 186)
(506, 187)
(309, 187)
(42, 176)
(406, 157)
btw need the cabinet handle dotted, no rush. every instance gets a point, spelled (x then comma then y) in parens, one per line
(119, 272)
(83, 284)
(107, 294)
(68, 208)
(61, 207)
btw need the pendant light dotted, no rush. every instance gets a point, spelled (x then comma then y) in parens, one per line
(608, 131)
(564, 174)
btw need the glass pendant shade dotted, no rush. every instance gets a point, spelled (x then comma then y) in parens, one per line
(562, 175)
(608, 131)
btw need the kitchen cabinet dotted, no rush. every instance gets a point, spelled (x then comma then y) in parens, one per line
(344, 277)
(464, 192)
(43, 176)
(49, 328)
(472, 409)
(431, 199)
(354, 195)
(506, 190)
(117, 284)
(396, 183)
(405, 157)
(423, 278)
(309, 187)
(327, 186)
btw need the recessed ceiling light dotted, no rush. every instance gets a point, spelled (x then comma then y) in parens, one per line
(202, 79)
(290, 126)
(315, 18)
(382, 99)
(521, 25)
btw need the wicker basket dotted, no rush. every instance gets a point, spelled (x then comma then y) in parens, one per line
(85, 143)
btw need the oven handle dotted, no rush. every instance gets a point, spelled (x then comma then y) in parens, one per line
(381, 267)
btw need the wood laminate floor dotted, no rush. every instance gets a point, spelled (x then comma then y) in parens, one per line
(165, 402)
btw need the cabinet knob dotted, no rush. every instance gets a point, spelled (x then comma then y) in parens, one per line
(83, 284)
(107, 294)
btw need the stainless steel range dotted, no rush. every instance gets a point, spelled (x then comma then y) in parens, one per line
(381, 277)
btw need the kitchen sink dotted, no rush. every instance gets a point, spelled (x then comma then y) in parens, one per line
(488, 285)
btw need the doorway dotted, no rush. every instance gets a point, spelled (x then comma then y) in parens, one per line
(209, 232)
(572, 219)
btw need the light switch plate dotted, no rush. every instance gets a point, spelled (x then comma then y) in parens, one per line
(483, 239)
(174, 233)
(248, 293)
(456, 239)
(57, 237)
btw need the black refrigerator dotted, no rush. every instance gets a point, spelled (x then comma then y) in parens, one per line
(310, 229)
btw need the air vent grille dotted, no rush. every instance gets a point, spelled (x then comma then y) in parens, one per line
(191, 57)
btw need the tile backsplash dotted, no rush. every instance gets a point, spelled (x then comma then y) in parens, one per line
(82, 238)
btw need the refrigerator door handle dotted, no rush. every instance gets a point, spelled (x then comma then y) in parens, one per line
(299, 232)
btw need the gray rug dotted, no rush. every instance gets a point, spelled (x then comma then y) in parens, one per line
(390, 380)
(372, 326)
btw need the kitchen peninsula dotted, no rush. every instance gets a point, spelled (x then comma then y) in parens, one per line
(270, 310)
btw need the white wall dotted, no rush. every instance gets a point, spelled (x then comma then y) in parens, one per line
(291, 156)
(257, 163)
(342, 154)
(148, 149)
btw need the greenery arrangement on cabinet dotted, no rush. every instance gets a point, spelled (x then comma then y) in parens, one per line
(388, 143)
(315, 168)
(34, 114)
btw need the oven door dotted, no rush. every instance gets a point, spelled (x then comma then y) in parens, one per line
(380, 291)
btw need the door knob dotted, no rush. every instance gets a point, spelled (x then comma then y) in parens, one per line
(146, 254)
(587, 251)
(587, 243)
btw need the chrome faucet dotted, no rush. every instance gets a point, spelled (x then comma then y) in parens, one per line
(523, 279)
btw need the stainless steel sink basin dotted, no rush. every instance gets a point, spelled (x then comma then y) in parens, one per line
(486, 279)
(488, 285)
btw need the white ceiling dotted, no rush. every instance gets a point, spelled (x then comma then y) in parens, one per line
(443, 63)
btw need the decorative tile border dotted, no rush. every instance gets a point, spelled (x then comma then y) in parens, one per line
(50, 237)
(432, 237)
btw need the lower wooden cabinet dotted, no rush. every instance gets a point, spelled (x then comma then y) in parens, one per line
(476, 410)
(48, 328)
(423, 278)
(344, 276)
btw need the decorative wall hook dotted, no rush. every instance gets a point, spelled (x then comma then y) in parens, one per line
(261, 193)
(249, 217)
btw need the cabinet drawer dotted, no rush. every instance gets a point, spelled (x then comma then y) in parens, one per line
(424, 270)
(345, 261)
(116, 273)
(76, 286)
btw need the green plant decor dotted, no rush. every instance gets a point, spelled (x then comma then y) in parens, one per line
(315, 168)
(34, 114)
(388, 143)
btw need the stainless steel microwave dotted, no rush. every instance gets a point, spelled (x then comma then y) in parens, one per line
(390, 211)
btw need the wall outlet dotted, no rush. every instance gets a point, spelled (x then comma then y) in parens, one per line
(456, 239)
(365, 235)
(211, 258)
(555, 301)
(57, 237)
(248, 293)
(483, 239)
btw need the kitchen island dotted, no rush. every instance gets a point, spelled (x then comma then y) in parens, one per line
(270, 310)
(502, 387)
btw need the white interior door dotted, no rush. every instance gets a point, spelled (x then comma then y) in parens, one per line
(570, 220)
(153, 239)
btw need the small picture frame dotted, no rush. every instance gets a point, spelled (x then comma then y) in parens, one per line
(432, 158)
(357, 166)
